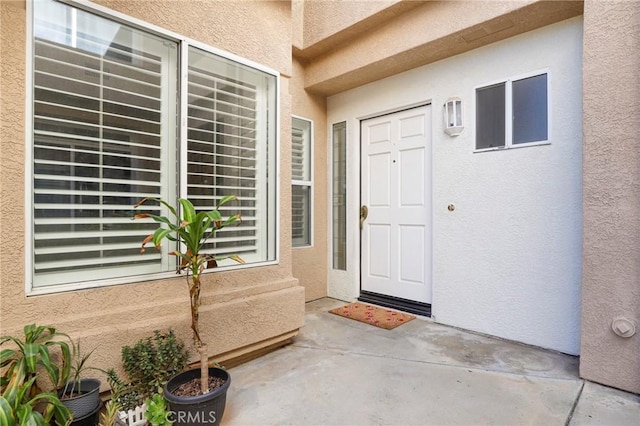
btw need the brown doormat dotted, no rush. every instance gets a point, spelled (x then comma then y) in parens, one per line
(380, 317)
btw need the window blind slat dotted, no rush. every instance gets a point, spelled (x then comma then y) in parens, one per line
(71, 192)
(83, 264)
(82, 249)
(83, 221)
(134, 233)
(95, 127)
(73, 142)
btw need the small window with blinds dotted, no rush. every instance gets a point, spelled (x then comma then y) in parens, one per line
(301, 182)
(106, 134)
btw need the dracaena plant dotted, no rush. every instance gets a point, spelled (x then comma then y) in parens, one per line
(19, 407)
(191, 230)
(32, 355)
(22, 361)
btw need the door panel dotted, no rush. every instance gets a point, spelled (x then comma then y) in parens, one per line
(379, 176)
(412, 177)
(380, 258)
(396, 188)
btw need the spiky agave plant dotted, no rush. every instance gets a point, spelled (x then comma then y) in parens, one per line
(191, 230)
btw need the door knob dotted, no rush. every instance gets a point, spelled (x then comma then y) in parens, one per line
(364, 212)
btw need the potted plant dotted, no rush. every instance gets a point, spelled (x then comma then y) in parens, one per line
(22, 401)
(19, 407)
(81, 394)
(191, 230)
(148, 365)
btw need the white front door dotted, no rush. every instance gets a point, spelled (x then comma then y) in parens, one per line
(396, 190)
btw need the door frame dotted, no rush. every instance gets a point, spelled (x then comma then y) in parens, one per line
(407, 305)
(345, 285)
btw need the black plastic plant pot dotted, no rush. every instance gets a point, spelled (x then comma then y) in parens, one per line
(200, 410)
(85, 399)
(90, 419)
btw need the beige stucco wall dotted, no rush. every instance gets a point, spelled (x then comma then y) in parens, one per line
(310, 263)
(256, 30)
(322, 22)
(426, 33)
(241, 310)
(611, 264)
(328, 23)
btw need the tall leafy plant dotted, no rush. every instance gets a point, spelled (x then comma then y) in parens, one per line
(19, 406)
(22, 401)
(192, 230)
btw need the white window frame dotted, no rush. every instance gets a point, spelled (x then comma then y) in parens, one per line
(508, 140)
(184, 42)
(306, 183)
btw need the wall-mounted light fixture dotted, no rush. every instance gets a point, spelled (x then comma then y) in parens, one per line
(453, 116)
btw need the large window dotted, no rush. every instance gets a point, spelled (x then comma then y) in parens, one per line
(301, 182)
(107, 132)
(512, 113)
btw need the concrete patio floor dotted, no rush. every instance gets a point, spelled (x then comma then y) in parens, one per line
(343, 372)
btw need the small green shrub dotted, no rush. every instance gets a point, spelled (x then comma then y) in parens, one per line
(149, 364)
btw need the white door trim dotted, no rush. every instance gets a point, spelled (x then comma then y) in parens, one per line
(396, 187)
(345, 285)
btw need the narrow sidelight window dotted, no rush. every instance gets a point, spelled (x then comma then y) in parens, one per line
(339, 196)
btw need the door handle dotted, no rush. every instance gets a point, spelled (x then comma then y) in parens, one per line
(364, 212)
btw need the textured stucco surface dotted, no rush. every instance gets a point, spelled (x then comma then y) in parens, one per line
(507, 261)
(422, 35)
(329, 23)
(310, 263)
(322, 22)
(256, 30)
(240, 308)
(611, 276)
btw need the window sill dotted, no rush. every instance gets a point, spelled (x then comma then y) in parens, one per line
(306, 246)
(158, 277)
(507, 148)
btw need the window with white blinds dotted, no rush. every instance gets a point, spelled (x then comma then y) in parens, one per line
(225, 153)
(301, 184)
(106, 133)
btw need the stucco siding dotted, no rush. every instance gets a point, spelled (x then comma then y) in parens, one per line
(310, 263)
(611, 278)
(256, 30)
(247, 308)
(507, 260)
